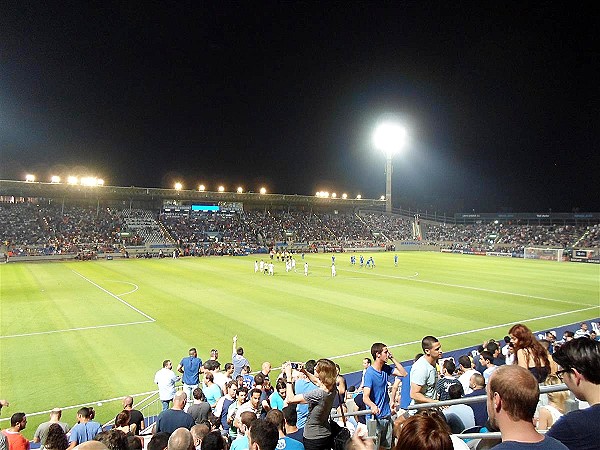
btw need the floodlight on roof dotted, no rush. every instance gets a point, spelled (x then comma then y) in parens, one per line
(72, 179)
(359, 196)
(178, 186)
(201, 188)
(221, 189)
(344, 196)
(240, 190)
(100, 182)
(263, 191)
(55, 179)
(382, 197)
(389, 137)
(29, 178)
(333, 195)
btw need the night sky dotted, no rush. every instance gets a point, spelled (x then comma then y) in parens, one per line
(501, 100)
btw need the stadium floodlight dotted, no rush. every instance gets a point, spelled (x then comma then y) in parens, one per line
(55, 179)
(72, 180)
(29, 178)
(263, 191)
(178, 186)
(221, 189)
(89, 181)
(201, 188)
(333, 195)
(344, 196)
(382, 197)
(359, 196)
(240, 190)
(389, 137)
(100, 182)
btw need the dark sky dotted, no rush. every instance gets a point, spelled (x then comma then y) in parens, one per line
(500, 100)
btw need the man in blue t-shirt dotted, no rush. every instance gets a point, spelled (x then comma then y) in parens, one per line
(375, 393)
(190, 368)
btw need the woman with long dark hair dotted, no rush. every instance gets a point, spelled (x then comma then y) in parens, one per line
(530, 354)
(57, 439)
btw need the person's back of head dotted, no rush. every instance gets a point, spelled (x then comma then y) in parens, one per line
(424, 431)
(449, 366)
(465, 362)
(259, 379)
(180, 439)
(276, 418)
(263, 435)
(199, 431)
(159, 441)
(247, 417)
(213, 441)
(309, 366)
(477, 381)
(179, 400)
(198, 394)
(455, 391)
(92, 445)
(128, 402)
(113, 439)
(84, 412)
(290, 414)
(518, 390)
(134, 443)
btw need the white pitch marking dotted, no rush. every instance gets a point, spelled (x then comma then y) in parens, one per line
(438, 283)
(125, 282)
(114, 296)
(491, 327)
(76, 329)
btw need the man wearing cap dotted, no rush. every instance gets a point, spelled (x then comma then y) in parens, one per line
(41, 433)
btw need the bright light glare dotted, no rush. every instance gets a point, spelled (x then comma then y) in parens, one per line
(201, 188)
(389, 137)
(178, 186)
(55, 179)
(344, 196)
(334, 195)
(359, 196)
(263, 190)
(72, 180)
(30, 178)
(100, 182)
(89, 181)
(221, 188)
(382, 197)
(240, 190)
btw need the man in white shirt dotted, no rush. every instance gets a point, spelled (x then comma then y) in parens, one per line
(165, 378)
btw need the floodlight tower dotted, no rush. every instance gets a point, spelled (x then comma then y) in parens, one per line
(389, 137)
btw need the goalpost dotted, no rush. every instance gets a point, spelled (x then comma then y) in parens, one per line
(549, 254)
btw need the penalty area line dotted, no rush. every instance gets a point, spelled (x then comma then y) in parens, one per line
(115, 297)
(460, 333)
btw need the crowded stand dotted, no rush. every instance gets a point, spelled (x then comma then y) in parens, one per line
(54, 229)
(359, 411)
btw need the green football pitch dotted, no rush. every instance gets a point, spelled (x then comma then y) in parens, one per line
(80, 332)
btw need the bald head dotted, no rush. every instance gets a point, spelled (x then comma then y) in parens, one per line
(179, 400)
(181, 439)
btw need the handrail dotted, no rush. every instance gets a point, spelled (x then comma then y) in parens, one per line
(480, 398)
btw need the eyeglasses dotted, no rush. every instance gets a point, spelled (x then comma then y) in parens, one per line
(560, 374)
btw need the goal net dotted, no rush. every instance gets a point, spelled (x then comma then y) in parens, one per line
(549, 254)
